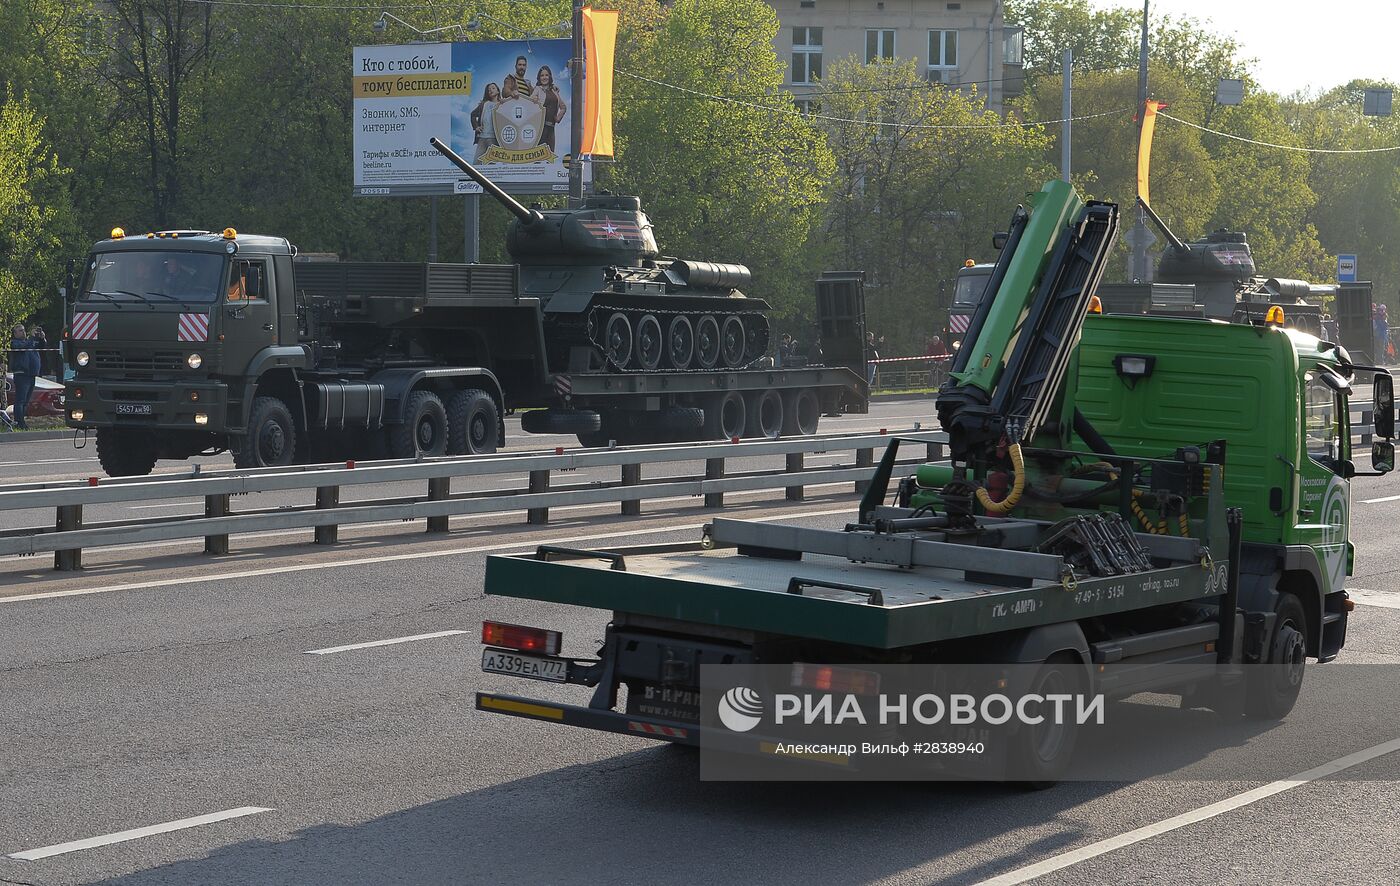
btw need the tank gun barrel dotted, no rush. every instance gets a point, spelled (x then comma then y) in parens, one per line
(526, 216)
(1175, 241)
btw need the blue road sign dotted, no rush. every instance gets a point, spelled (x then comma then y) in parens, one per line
(1346, 269)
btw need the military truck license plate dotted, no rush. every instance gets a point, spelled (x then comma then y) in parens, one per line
(133, 409)
(534, 667)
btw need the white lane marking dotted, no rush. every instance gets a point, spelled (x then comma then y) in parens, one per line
(44, 461)
(137, 833)
(331, 650)
(1363, 597)
(520, 545)
(1374, 501)
(1093, 850)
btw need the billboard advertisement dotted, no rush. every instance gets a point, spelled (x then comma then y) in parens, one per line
(504, 105)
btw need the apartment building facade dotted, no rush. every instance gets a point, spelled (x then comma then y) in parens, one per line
(957, 43)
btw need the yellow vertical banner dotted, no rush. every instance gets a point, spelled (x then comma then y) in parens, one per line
(1149, 123)
(600, 40)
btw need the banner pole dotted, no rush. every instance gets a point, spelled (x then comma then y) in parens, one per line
(576, 75)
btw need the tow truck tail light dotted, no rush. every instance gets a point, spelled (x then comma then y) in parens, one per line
(521, 638)
(826, 678)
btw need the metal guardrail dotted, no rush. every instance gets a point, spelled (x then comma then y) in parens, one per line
(69, 535)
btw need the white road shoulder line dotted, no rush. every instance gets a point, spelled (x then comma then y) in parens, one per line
(136, 833)
(1373, 501)
(330, 650)
(518, 545)
(1102, 847)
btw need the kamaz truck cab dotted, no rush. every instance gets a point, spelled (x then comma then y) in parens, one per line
(971, 283)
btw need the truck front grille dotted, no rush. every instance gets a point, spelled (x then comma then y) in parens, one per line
(139, 361)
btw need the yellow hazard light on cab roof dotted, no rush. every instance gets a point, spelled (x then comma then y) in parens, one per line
(1095, 306)
(1274, 317)
(118, 233)
(230, 234)
(969, 263)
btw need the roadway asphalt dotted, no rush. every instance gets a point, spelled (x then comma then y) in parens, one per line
(186, 689)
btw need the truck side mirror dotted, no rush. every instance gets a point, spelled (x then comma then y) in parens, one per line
(1383, 456)
(999, 240)
(1384, 407)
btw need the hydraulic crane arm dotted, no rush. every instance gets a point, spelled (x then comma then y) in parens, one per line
(1009, 374)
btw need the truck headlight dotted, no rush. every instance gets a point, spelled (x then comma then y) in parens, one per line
(957, 344)
(82, 358)
(77, 415)
(194, 361)
(201, 418)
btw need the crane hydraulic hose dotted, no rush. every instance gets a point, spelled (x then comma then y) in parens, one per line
(1018, 486)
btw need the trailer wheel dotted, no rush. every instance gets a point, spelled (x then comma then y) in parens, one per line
(680, 342)
(725, 416)
(424, 429)
(271, 440)
(473, 423)
(1271, 688)
(802, 411)
(1040, 754)
(764, 416)
(617, 340)
(707, 342)
(125, 453)
(560, 421)
(733, 342)
(651, 343)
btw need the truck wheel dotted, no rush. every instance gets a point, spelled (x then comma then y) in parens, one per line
(474, 423)
(271, 440)
(424, 428)
(1272, 688)
(651, 344)
(707, 342)
(733, 342)
(1040, 754)
(764, 417)
(801, 413)
(560, 421)
(725, 416)
(125, 453)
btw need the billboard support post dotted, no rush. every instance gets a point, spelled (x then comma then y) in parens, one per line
(576, 75)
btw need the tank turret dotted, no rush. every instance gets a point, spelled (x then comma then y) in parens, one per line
(1219, 265)
(610, 297)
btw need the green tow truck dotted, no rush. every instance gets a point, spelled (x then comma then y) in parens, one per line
(1122, 489)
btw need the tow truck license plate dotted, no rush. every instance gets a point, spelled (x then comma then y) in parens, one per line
(133, 409)
(536, 668)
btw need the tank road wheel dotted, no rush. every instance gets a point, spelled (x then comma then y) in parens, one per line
(1272, 687)
(651, 344)
(801, 413)
(764, 414)
(473, 423)
(125, 453)
(707, 342)
(271, 440)
(617, 340)
(725, 416)
(755, 339)
(733, 342)
(680, 343)
(423, 431)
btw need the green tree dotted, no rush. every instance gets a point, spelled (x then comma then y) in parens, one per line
(34, 214)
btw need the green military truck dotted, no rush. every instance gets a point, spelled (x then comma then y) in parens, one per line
(1122, 491)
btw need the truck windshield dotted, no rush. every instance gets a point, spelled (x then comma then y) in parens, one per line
(151, 275)
(969, 290)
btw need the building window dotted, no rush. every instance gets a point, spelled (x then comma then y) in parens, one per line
(943, 57)
(808, 106)
(1013, 43)
(806, 55)
(879, 45)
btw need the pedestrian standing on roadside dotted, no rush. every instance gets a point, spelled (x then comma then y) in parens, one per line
(871, 355)
(24, 361)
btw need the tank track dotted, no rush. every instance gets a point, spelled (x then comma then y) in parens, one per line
(644, 352)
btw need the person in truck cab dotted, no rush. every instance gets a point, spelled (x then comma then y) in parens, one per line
(237, 290)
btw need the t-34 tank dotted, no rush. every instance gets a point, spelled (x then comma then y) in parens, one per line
(612, 301)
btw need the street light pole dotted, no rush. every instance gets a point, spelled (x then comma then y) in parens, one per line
(576, 75)
(1140, 272)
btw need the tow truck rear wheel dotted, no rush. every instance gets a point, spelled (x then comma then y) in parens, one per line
(1040, 754)
(802, 411)
(271, 441)
(424, 428)
(725, 416)
(125, 453)
(1271, 688)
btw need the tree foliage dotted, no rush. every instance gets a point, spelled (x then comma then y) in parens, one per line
(34, 215)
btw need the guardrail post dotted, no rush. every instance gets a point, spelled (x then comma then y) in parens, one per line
(631, 476)
(794, 466)
(327, 497)
(714, 469)
(865, 458)
(439, 489)
(216, 506)
(539, 482)
(70, 518)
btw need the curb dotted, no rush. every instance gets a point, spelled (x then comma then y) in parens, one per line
(890, 398)
(34, 436)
